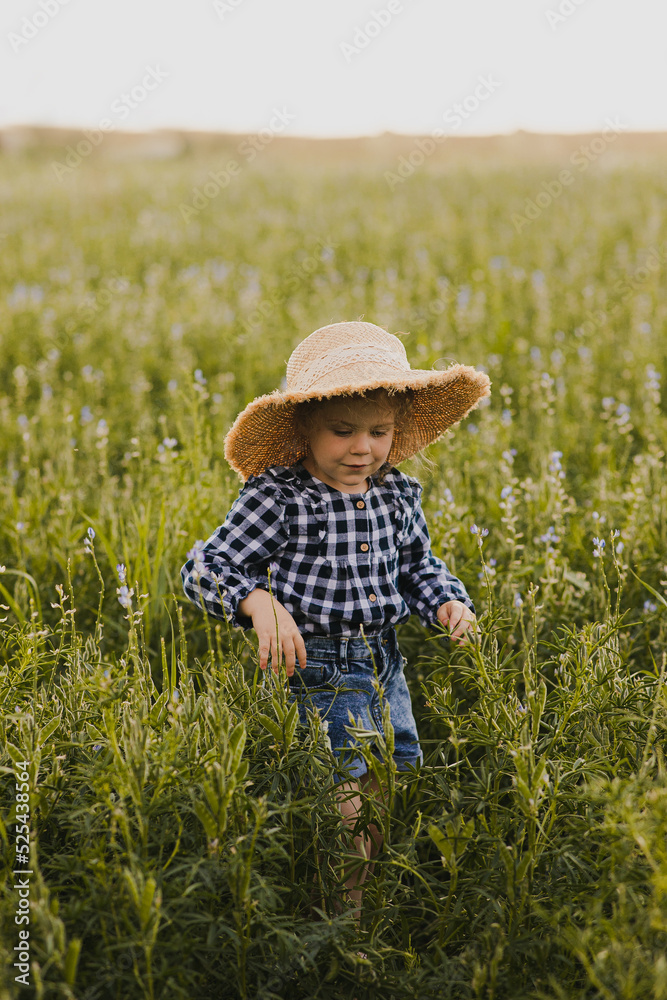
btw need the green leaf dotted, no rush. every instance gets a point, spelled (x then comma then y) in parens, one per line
(49, 728)
(18, 756)
(536, 781)
(522, 867)
(655, 593)
(271, 726)
(459, 833)
(388, 728)
(94, 733)
(539, 700)
(443, 844)
(237, 743)
(290, 725)
(146, 902)
(506, 857)
(206, 819)
(31, 581)
(71, 960)
(278, 706)
(132, 886)
(159, 709)
(12, 603)
(577, 580)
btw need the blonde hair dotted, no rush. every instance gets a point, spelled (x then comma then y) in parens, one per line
(307, 413)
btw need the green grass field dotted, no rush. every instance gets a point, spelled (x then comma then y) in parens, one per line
(176, 813)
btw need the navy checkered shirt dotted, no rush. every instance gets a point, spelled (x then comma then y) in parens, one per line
(338, 560)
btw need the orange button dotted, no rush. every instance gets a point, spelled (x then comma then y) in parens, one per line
(372, 597)
(364, 547)
(360, 504)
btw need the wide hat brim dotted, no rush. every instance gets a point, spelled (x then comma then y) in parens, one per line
(264, 434)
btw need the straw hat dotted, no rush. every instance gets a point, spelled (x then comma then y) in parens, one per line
(341, 359)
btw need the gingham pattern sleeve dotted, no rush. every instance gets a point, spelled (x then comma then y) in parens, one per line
(339, 561)
(424, 580)
(234, 560)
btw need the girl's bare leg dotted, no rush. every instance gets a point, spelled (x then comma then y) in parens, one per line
(367, 843)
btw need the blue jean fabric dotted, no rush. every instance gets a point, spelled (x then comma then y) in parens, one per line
(338, 679)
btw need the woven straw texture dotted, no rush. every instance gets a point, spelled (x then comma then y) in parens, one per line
(341, 359)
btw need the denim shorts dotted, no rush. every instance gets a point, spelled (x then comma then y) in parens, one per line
(338, 679)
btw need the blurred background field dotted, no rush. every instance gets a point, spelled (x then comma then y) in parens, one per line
(527, 858)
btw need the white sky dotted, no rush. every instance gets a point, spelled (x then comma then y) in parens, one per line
(228, 71)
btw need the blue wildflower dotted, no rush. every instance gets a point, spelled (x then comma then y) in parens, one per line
(125, 596)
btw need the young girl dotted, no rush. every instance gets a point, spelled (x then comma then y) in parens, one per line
(344, 535)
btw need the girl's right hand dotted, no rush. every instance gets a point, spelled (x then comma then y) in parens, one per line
(260, 606)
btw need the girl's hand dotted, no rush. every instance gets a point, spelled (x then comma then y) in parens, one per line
(259, 605)
(458, 618)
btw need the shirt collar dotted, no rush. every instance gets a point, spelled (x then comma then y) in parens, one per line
(306, 477)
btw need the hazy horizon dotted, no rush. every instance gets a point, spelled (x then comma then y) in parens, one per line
(340, 70)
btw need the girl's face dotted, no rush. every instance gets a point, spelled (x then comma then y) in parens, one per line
(350, 441)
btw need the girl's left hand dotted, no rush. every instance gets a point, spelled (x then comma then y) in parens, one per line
(458, 618)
